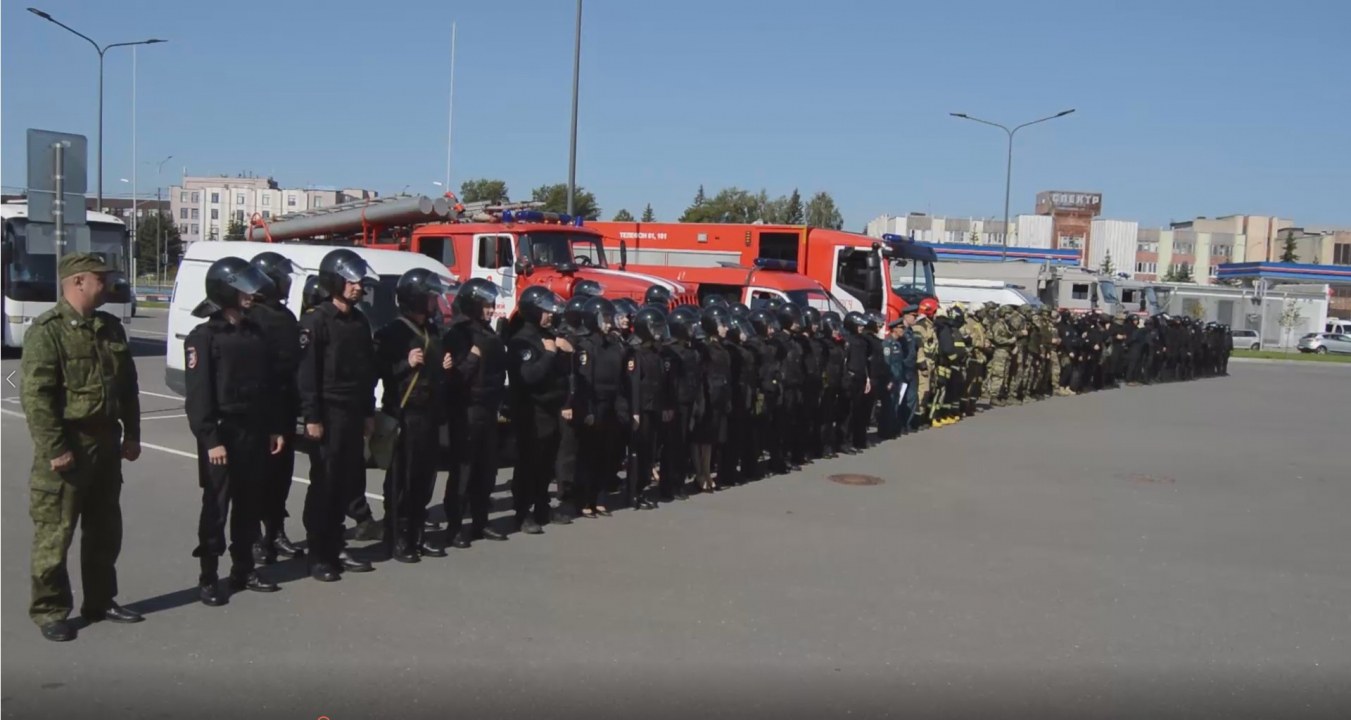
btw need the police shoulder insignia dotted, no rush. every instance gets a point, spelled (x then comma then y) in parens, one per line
(631, 365)
(886, 349)
(667, 366)
(192, 358)
(581, 357)
(527, 354)
(304, 338)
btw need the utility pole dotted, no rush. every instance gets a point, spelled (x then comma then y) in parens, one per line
(572, 151)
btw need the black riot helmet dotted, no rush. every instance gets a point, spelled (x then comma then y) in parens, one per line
(625, 308)
(574, 311)
(831, 325)
(684, 323)
(475, 297)
(715, 320)
(658, 295)
(650, 325)
(740, 310)
(715, 301)
(278, 268)
(418, 288)
(855, 322)
(225, 280)
(739, 329)
(789, 316)
(761, 321)
(313, 294)
(599, 315)
(342, 266)
(536, 301)
(811, 320)
(773, 304)
(587, 288)
(875, 321)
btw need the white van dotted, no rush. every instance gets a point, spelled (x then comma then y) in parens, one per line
(190, 287)
(1338, 326)
(974, 292)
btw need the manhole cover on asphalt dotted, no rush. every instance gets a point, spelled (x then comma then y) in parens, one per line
(850, 479)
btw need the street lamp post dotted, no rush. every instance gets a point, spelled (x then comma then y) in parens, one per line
(1008, 174)
(101, 51)
(572, 146)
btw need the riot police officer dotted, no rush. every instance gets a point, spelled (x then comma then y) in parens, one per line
(412, 365)
(684, 378)
(234, 411)
(598, 407)
(768, 385)
(735, 461)
(281, 329)
(710, 432)
(652, 404)
(658, 296)
(336, 379)
(807, 437)
(784, 452)
(858, 382)
(538, 389)
(477, 386)
(834, 404)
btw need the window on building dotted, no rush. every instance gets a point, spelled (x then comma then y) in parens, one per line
(239, 216)
(182, 197)
(1079, 291)
(140, 212)
(183, 229)
(215, 214)
(239, 199)
(1147, 268)
(267, 214)
(1221, 250)
(267, 199)
(1148, 247)
(182, 213)
(196, 198)
(194, 228)
(1341, 254)
(290, 201)
(318, 202)
(1183, 249)
(215, 198)
(194, 213)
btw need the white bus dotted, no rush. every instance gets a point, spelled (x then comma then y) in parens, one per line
(30, 276)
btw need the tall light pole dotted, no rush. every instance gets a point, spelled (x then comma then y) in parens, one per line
(159, 225)
(450, 113)
(101, 51)
(572, 148)
(1008, 175)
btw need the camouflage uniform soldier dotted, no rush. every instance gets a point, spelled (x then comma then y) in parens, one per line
(978, 343)
(81, 399)
(1041, 384)
(1004, 339)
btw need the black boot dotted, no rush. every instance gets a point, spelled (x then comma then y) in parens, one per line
(351, 564)
(252, 581)
(264, 553)
(284, 547)
(208, 583)
(404, 546)
(428, 548)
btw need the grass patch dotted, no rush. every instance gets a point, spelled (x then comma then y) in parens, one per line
(1280, 355)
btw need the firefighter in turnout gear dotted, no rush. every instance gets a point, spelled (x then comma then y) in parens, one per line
(926, 359)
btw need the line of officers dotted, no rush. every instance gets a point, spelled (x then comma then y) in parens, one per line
(594, 389)
(947, 361)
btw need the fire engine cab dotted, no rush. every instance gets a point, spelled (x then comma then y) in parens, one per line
(754, 286)
(861, 273)
(515, 246)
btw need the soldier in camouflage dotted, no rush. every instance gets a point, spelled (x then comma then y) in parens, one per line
(978, 345)
(80, 396)
(1005, 341)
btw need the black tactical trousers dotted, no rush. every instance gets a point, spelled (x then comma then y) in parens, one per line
(232, 493)
(596, 452)
(644, 449)
(807, 438)
(675, 452)
(537, 441)
(860, 412)
(784, 448)
(411, 476)
(473, 473)
(565, 466)
(337, 472)
(276, 481)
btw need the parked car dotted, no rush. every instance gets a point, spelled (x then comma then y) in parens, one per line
(1245, 340)
(1323, 343)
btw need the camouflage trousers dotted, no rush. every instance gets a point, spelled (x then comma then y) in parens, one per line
(87, 495)
(922, 398)
(1021, 379)
(998, 374)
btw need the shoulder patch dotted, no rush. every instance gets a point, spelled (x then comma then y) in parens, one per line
(631, 364)
(666, 365)
(581, 356)
(192, 358)
(304, 337)
(527, 354)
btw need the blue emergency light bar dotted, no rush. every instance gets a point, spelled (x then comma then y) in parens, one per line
(540, 216)
(776, 265)
(894, 238)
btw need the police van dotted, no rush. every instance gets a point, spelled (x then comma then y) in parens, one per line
(190, 287)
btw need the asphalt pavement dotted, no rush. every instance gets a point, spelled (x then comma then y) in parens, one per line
(1167, 551)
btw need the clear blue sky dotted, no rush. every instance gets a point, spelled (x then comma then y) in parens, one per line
(1185, 108)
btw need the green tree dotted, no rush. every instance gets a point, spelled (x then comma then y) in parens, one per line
(235, 230)
(1179, 273)
(555, 199)
(793, 212)
(774, 212)
(1107, 268)
(1290, 253)
(821, 212)
(974, 238)
(623, 216)
(153, 233)
(484, 190)
(648, 215)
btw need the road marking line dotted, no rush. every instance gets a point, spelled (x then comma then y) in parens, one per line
(160, 395)
(163, 417)
(148, 332)
(189, 455)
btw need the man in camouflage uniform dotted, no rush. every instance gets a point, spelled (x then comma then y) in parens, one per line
(978, 345)
(926, 362)
(1045, 332)
(80, 396)
(1004, 339)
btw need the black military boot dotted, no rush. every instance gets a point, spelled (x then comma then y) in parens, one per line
(208, 583)
(427, 548)
(351, 564)
(284, 547)
(403, 546)
(264, 553)
(252, 581)
(369, 529)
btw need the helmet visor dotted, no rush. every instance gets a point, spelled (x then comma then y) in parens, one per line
(249, 280)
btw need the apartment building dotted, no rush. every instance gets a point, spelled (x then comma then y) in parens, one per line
(204, 206)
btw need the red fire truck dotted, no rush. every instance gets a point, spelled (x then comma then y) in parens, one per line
(860, 272)
(514, 246)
